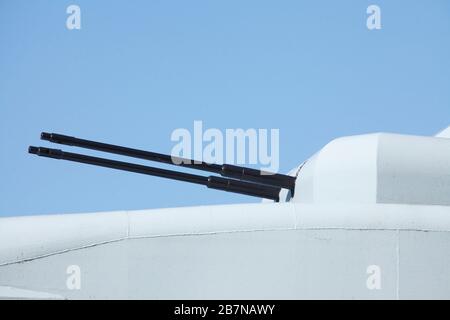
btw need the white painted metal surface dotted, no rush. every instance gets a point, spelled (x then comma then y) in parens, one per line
(373, 201)
(444, 133)
(378, 168)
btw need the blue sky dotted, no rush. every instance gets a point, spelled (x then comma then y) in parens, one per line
(137, 70)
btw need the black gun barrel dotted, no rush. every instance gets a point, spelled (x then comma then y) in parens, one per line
(230, 185)
(225, 170)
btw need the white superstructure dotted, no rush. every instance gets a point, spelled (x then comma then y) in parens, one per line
(370, 219)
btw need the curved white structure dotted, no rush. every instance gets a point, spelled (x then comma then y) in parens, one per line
(369, 219)
(378, 168)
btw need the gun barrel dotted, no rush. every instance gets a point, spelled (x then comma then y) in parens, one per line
(125, 151)
(225, 170)
(230, 185)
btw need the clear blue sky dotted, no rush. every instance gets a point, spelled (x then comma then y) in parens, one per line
(137, 70)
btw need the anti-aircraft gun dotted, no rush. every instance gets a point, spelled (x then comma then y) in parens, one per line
(236, 179)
